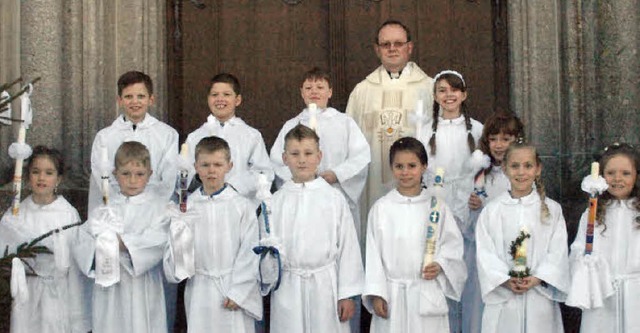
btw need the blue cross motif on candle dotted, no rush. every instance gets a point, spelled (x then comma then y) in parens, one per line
(437, 179)
(429, 232)
(434, 217)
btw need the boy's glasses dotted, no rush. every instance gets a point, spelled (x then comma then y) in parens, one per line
(397, 45)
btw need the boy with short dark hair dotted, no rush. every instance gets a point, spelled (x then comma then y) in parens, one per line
(135, 96)
(322, 267)
(121, 247)
(222, 295)
(248, 152)
(346, 153)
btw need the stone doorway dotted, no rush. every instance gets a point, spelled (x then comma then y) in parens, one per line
(269, 44)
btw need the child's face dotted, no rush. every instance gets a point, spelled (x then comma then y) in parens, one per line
(407, 171)
(498, 144)
(620, 174)
(223, 101)
(316, 91)
(522, 170)
(132, 178)
(212, 168)
(135, 101)
(302, 157)
(43, 177)
(449, 98)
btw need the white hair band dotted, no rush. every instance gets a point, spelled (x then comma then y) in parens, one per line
(448, 71)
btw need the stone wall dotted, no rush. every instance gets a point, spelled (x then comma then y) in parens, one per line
(575, 82)
(574, 77)
(78, 48)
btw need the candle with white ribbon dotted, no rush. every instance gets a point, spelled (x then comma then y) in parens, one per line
(17, 176)
(313, 120)
(593, 209)
(104, 155)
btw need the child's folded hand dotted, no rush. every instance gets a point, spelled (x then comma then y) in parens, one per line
(329, 176)
(230, 305)
(346, 309)
(474, 201)
(380, 307)
(431, 271)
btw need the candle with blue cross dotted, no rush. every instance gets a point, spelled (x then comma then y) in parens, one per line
(433, 221)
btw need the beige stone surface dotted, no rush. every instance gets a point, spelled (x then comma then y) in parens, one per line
(79, 48)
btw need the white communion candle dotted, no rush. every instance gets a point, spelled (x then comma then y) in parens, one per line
(184, 150)
(313, 120)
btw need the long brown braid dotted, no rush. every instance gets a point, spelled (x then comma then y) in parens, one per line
(434, 127)
(606, 199)
(455, 82)
(471, 142)
(544, 209)
(521, 144)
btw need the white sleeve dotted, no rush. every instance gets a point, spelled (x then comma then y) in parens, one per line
(450, 257)
(352, 172)
(375, 276)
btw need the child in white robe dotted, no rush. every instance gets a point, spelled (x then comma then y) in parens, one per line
(401, 295)
(134, 299)
(322, 266)
(500, 130)
(529, 302)
(248, 152)
(135, 97)
(450, 138)
(223, 294)
(57, 299)
(345, 151)
(616, 243)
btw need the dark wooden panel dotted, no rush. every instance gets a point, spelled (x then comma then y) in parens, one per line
(269, 44)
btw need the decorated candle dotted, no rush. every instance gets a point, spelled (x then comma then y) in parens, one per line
(593, 208)
(105, 176)
(17, 176)
(520, 260)
(184, 179)
(433, 221)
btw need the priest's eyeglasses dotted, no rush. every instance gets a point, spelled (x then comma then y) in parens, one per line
(397, 45)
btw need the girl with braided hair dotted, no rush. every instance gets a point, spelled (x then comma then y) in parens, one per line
(450, 138)
(522, 228)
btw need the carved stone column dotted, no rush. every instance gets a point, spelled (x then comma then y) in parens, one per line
(9, 71)
(536, 79)
(575, 73)
(79, 48)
